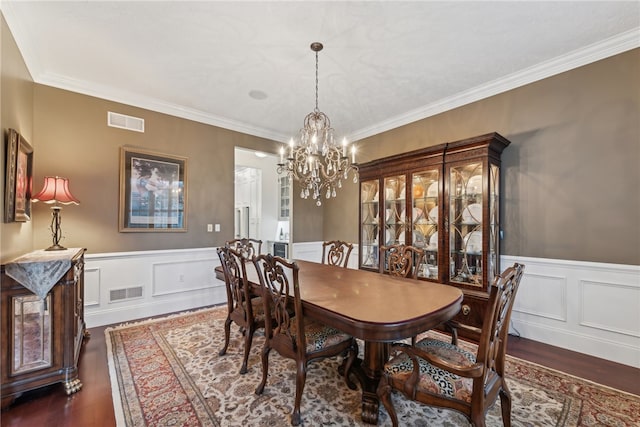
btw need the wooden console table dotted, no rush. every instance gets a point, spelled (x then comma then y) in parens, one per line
(42, 321)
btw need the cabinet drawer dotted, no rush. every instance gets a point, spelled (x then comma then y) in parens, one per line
(472, 314)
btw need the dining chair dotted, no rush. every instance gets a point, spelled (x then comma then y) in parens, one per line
(336, 252)
(245, 246)
(441, 374)
(295, 336)
(245, 309)
(401, 260)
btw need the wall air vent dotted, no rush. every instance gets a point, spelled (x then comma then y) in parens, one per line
(125, 293)
(121, 121)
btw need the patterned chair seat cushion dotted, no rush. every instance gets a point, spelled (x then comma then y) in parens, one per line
(432, 379)
(318, 335)
(258, 309)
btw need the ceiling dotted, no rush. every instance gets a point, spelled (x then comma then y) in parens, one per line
(247, 66)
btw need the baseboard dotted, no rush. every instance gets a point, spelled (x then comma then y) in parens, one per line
(117, 315)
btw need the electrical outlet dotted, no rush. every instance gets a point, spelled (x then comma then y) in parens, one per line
(209, 228)
(217, 228)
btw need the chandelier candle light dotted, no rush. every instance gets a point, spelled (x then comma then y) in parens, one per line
(56, 191)
(317, 161)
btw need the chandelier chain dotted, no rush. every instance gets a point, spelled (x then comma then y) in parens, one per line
(317, 82)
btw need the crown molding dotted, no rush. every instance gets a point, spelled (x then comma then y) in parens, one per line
(615, 45)
(152, 104)
(595, 52)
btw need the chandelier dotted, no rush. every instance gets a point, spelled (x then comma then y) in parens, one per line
(316, 160)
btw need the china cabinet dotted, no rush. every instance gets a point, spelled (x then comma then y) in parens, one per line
(444, 199)
(42, 337)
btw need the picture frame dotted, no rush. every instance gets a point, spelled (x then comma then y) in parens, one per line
(18, 178)
(153, 191)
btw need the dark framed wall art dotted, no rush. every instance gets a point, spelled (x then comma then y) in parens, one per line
(18, 178)
(153, 191)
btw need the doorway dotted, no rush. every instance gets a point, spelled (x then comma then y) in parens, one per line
(248, 202)
(257, 197)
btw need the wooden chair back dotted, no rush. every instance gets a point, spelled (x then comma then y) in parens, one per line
(492, 347)
(235, 274)
(248, 248)
(401, 260)
(243, 308)
(281, 290)
(336, 252)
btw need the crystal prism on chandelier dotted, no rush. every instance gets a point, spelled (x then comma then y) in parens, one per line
(316, 160)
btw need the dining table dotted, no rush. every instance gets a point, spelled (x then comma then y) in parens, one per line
(376, 308)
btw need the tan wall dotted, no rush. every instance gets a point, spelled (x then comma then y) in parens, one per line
(341, 214)
(307, 217)
(571, 174)
(74, 141)
(16, 112)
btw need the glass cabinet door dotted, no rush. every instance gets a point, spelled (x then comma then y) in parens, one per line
(369, 223)
(395, 215)
(283, 198)
(494, 222)
(425, 189)
(466, 248)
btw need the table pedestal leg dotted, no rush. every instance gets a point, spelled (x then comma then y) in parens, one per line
(368, 372)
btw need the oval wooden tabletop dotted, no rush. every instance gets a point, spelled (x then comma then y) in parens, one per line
(373, 306)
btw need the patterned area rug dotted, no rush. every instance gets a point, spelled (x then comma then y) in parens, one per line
(167, 372)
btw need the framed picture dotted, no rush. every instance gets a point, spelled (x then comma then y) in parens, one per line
(18, 178)
(153, 191)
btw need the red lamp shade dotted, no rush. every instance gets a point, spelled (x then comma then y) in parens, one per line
(55, 190)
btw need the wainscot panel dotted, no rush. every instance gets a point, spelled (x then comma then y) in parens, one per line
(92, 293)
(548, 298)
(125, 286)
(588, 307)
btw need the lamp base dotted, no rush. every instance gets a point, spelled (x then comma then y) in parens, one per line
(56, 248)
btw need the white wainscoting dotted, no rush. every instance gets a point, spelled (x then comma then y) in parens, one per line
(171, 280)
(591, 308)
(588, 307)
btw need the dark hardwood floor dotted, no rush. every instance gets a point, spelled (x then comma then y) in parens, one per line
(92, 406)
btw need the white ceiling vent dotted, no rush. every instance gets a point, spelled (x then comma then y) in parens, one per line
(121, 121)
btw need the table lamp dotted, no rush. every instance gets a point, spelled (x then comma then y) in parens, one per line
(56, 191)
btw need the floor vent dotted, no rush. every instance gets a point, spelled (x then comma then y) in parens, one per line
(126, 293)
(121, 121)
